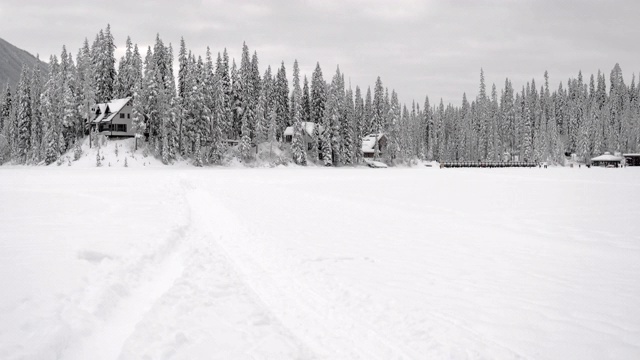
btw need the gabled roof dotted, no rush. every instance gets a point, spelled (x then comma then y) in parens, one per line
(607, 157)
(369, 142)
(308, 126)
(113, 107)
(99, 118)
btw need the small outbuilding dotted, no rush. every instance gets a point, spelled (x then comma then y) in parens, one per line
(632, 159)
(373, 143)
(607, 160)
(307, 134)
(113, 118)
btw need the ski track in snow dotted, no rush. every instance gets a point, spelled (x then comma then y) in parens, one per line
(102, 314)
(339, 322)
(116, 288)
(125, 296)
(210, 312)
(303, 310)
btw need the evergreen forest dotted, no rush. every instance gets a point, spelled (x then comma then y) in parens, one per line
(216, 101)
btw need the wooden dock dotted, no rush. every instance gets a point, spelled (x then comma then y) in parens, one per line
(488, 164)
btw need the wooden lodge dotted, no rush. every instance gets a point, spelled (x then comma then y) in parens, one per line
(113, 118)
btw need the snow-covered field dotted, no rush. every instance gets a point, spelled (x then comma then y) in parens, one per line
(290, 263)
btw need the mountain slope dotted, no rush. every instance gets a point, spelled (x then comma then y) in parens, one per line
(11, 61)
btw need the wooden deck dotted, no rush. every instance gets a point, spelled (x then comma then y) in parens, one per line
(488, 164)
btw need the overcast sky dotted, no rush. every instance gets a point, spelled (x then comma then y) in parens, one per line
(418, 48)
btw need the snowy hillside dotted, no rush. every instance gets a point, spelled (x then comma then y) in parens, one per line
(113, 153)
(292, 263)
(116, 153)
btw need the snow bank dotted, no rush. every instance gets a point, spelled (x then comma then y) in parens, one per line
(375, 164)
(112, 153)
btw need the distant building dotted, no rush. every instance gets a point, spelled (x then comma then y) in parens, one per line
(507, 157)
(307, 134)
(372, 143)
(607, 160)
(113, 118)
(632, 159)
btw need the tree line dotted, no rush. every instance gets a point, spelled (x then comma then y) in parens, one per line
(214, 103)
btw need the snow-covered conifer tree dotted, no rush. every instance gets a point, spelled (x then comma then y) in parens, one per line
(347, 129)
(164, 150)
(508, 118)
(305, 110)
(104, 62)
(281, 95)
(332, 139)
(358, 129)
(236, 102)
(255, 90)
(132, 69)
(261, 120)
(51, 113)
(429, 128)
(393, 130)
(245, 139)
(273, 129)
(36, 115)
(378, 107)
(182, 71)
(368, 113)
(197, 157)
(5, 110)
(297, 145)
(267, 85)
(318, 96)
(217, 122)
(71, 122)
(86, 87)
(222, 74)
(493, 115)
(24, 119)
(481, 121)
(245, 87)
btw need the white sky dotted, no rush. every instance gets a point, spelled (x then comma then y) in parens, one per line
(419, 48)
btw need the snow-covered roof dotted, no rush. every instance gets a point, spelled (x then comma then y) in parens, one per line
(308, 127)
(607, 157)
(114, 107)
(631, 155)
(369, 142)
(99, 117)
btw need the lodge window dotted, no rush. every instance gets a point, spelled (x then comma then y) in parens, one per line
(120, 127)
(121, 116)
(128, 116)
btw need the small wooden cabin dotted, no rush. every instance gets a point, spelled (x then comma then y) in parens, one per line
(632, 159)
(372, 143)
(307, 138)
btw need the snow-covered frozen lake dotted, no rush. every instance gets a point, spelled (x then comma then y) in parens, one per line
(185, 263)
